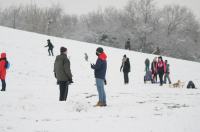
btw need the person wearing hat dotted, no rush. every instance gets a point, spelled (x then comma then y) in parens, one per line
(100, 72)
(50, 47)
(126, 68)
(63, 73)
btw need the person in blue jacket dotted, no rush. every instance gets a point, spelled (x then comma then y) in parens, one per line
(100, 72)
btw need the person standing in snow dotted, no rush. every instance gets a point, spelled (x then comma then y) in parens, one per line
(100, 72)
(86, 57)
(63, 73)
(161, 68)
(166, 76)
(147, 63)
(3, 66)
(128, 44)
(50, 47)
(126, 68)
(154, 70)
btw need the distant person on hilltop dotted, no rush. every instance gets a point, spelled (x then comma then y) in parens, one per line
(157, 51)
(126, 68)
(100, 72)
(4, 64)
(50, 47)
(128, 44)
(63, 73)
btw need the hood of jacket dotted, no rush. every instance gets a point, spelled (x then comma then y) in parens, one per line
(3, 55)
(102, 56)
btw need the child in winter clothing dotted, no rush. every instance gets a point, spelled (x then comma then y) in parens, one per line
(166, 76)
(3, 61)
(50, 47)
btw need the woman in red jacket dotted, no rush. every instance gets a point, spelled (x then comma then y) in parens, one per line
(3, 70)
(161, 68)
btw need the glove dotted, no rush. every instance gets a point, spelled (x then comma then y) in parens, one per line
(70, 81)
(92, 65)
(105, 82)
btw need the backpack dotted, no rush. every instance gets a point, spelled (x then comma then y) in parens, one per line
(190, 85)
(7, 66)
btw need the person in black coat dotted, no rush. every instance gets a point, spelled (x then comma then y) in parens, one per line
(50, 47)
(128, 44)
(126, 68)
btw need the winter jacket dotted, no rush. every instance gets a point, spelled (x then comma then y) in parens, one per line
(154, 67)
(3, 66)
(50, 45)
(161, 67)
(147, 62)
(126, 65)
(100, 67)
(62, 68)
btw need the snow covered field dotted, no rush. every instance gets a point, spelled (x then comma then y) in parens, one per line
(31, 104)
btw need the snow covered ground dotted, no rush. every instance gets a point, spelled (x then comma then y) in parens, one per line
(31, 104)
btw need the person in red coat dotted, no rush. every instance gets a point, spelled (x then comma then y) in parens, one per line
(3, 61)
(161, 69)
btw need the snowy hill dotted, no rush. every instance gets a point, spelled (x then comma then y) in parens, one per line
(31, 104)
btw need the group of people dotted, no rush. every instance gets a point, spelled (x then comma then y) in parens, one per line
(63, 74)
(158, 68)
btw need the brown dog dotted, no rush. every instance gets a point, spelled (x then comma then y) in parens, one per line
(178, 84)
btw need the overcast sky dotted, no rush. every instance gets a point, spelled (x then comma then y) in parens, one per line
(84, 6)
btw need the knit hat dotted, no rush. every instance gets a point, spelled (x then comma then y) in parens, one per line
(63, 49)
(99, 50)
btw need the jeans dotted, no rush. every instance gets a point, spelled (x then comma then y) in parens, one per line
(63, 90)
(166, 77)
(126, 78)
(3, 85)
(100, 89)
(161, 77)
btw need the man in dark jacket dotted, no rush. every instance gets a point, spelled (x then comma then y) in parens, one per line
(128, 44)
(50, 47)
(100, 72)
(126, 68)
(63, 73)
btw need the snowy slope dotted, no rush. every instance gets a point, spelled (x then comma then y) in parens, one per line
(31, 104)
